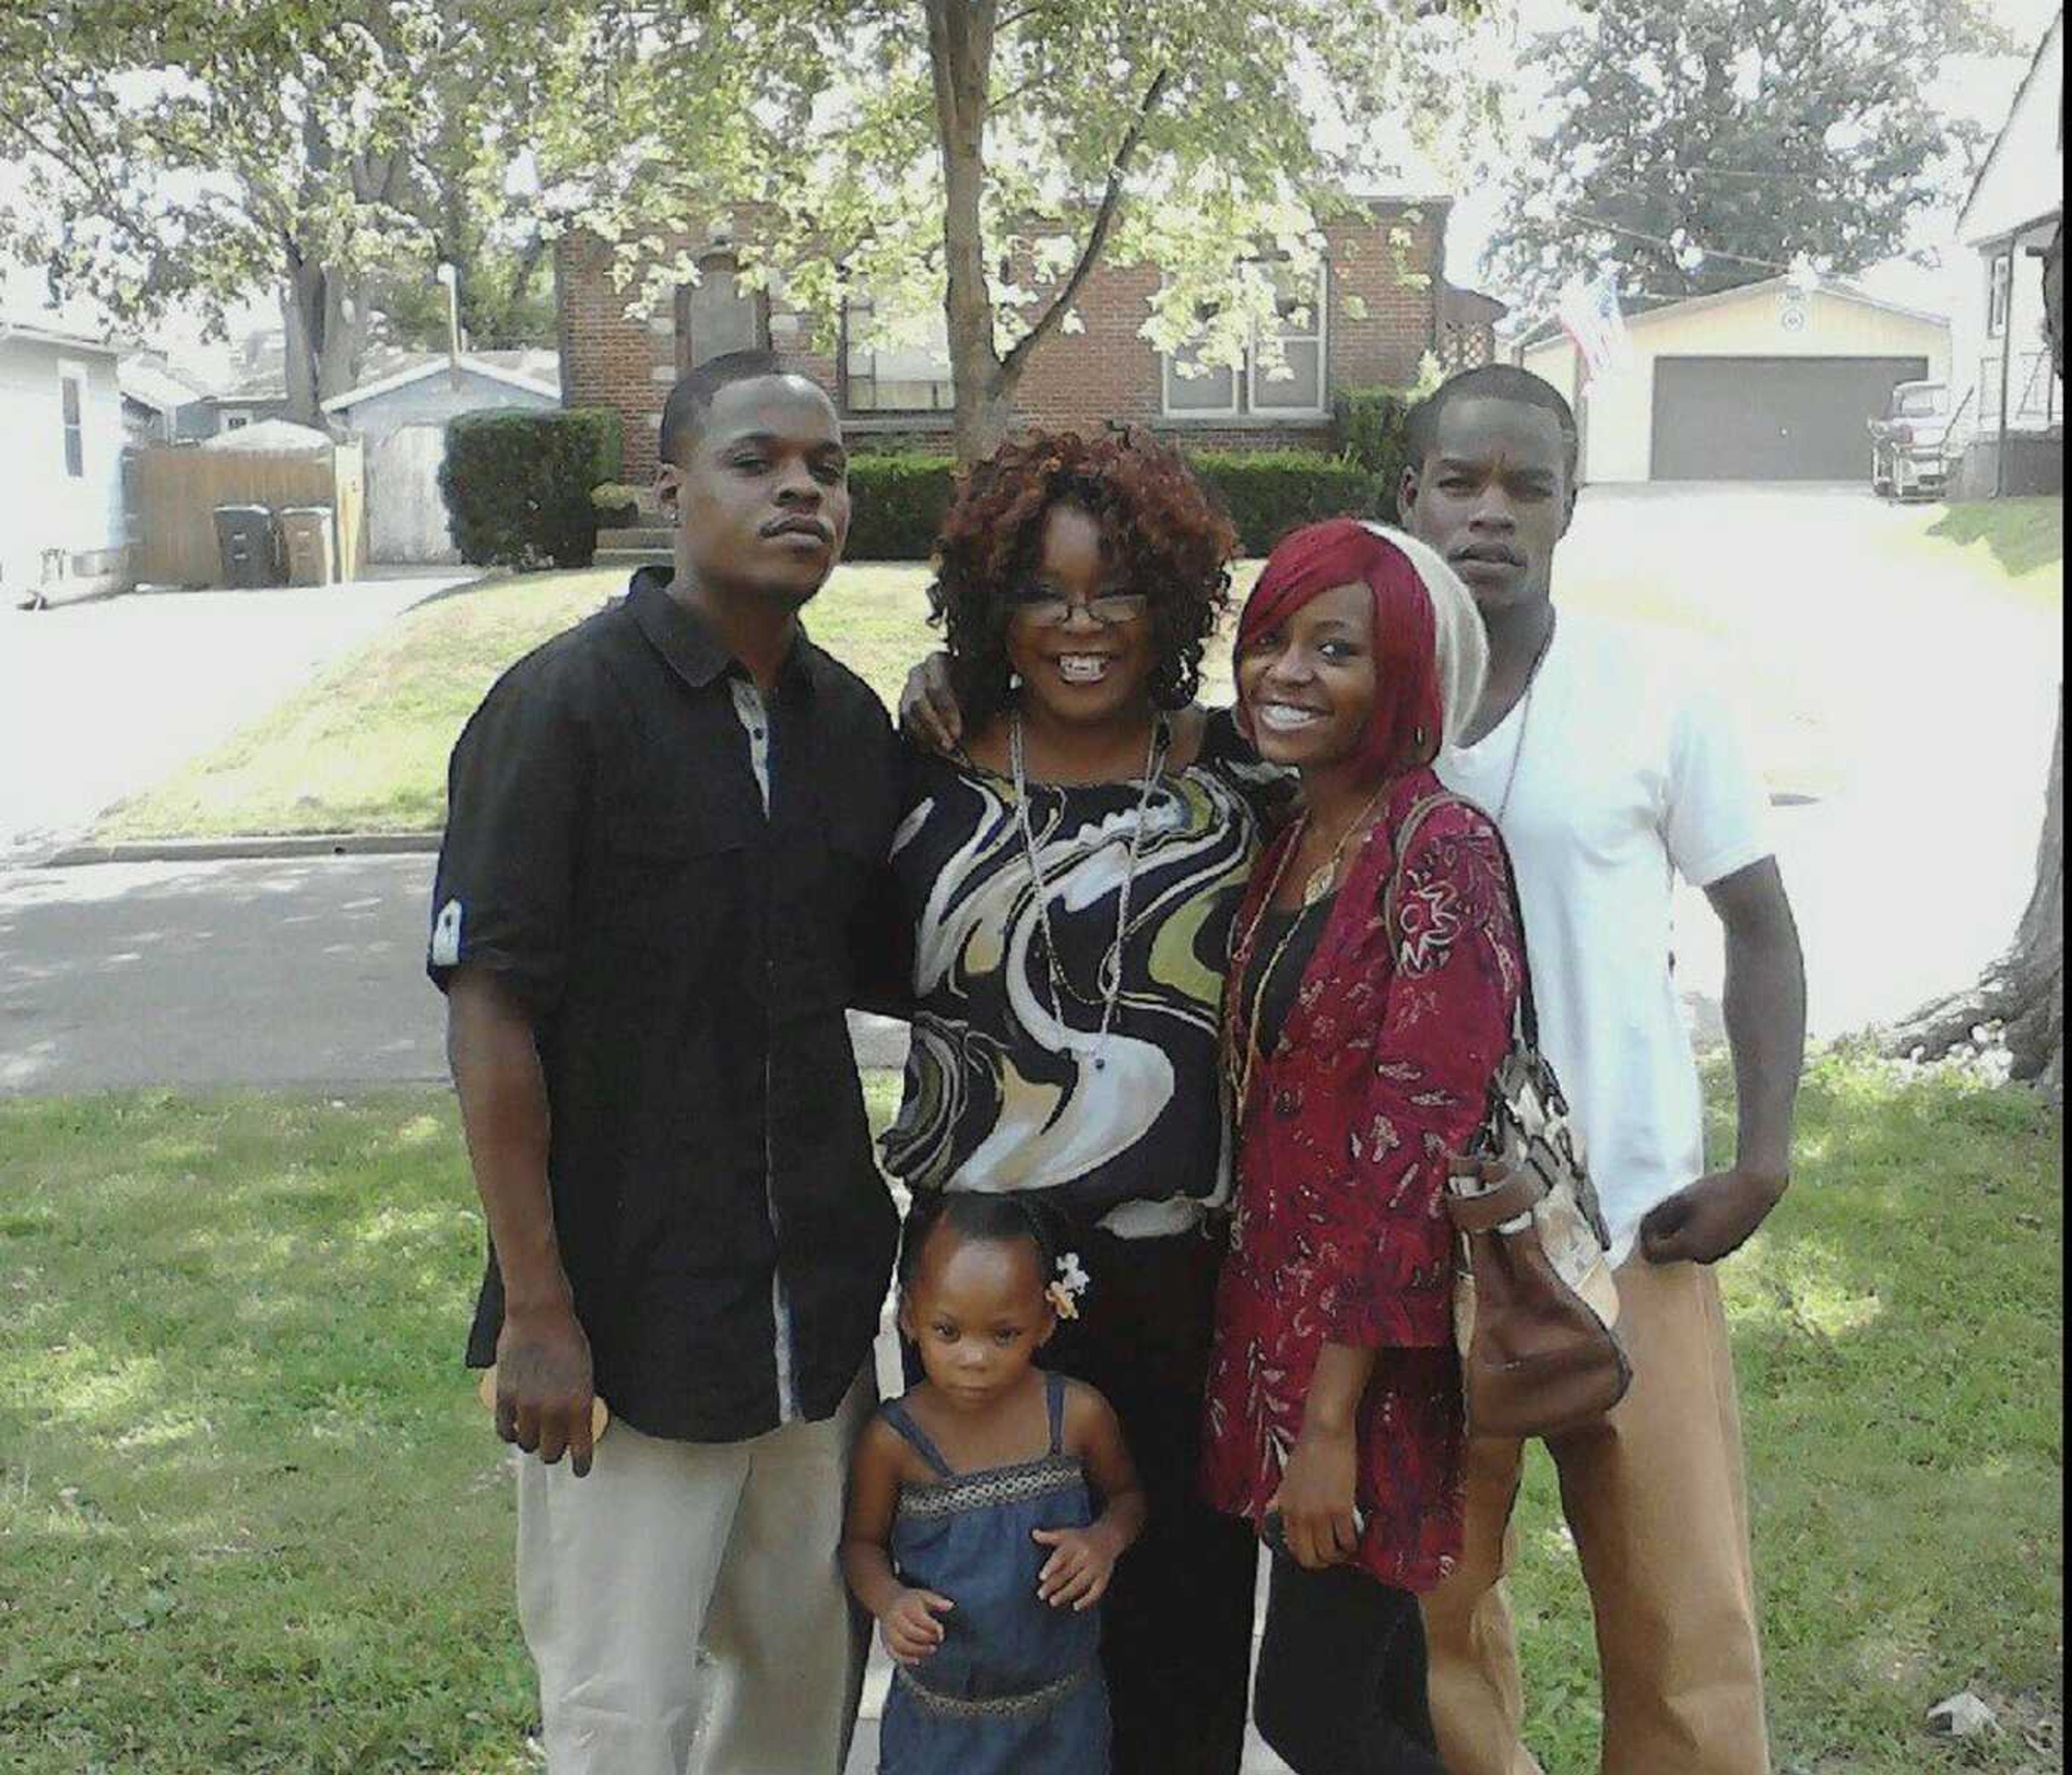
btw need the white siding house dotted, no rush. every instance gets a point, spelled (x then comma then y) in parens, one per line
(62, 529)
(2017, 203)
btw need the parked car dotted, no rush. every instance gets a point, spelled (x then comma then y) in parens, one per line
(1907, 442)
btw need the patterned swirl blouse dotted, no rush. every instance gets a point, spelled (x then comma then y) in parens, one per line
(1340, 1235)
(1002, 1090)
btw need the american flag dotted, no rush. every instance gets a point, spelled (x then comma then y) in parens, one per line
(1590, 315)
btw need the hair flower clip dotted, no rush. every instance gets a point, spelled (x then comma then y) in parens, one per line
(1064, 1294)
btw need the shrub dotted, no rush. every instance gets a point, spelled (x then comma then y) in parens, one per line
(1269, 493)
(897, 502)
(899, 499)
(1369, 425)
(619, 505)
(517, 484)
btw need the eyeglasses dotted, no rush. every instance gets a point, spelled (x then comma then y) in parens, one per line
(1046, 609)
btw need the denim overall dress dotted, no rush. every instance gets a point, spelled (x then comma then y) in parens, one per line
(1015, 1688)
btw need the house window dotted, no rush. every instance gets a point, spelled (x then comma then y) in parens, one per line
(717, 315)
(2000, 282)
(236, 421)
(72, 412)
(1193, 390)
(889, 369)
(1296, 389)
(1298, 386)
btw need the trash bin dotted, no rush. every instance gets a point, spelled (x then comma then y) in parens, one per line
(307, 540)
(244, 537)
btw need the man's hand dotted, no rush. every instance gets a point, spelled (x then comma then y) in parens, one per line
(928, 709)
(1705, 1221)
(543, 1385)
(909, 1627)
(1316, 1497)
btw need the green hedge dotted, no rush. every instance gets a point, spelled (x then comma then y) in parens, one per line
(1370, 425)
(896, 506)
(517, 484)
(898, 500)
(1269, 493)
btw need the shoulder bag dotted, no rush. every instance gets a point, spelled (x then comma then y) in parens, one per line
(1536, 1308)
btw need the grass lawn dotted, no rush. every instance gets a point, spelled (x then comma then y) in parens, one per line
(251, 1517)
(2024, 536)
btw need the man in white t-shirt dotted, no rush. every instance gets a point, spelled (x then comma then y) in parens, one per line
(1611, 766)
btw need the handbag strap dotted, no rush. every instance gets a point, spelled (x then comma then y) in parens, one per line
(1528, 1013)
(1519, 1193)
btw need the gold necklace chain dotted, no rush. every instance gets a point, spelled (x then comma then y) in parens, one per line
(1239, 1061)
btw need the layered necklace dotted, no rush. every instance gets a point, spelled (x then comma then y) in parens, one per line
(1241, 1049)
(1110, 974)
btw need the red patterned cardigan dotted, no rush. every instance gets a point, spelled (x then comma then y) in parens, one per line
(1340, 1233)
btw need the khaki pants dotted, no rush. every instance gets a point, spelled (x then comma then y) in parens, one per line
(684, 1606)
(1654, 1497)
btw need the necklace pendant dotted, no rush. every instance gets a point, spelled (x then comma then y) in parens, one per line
(1100, 1063)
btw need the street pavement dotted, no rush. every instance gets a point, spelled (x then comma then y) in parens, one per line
(99, 700)
(291, 972)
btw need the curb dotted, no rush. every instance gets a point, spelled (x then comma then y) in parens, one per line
(311, 844)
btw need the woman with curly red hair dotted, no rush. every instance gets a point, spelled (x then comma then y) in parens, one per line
(1068, 876)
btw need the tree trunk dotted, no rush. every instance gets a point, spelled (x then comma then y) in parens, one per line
(960, 54)
(324, 331)
(2023, 993)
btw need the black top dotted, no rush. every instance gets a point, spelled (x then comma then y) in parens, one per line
(1300, 930)
(1009, 1085)
(687, 962)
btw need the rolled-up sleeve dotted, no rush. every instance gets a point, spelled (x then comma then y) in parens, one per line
(503, 896)
(1387, 1247)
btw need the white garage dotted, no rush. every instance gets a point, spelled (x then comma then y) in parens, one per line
(1772, 382)
(402, 420)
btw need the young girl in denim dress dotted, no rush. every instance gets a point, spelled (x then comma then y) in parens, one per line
(987, 1508)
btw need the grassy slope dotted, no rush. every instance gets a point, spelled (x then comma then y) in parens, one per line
(363, 747)
(251, 1517)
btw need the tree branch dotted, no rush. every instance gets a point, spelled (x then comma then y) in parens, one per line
(1096, 237)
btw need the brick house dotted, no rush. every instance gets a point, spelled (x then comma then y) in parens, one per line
(1084, 380)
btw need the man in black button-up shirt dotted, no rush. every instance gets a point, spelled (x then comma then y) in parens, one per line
(664, 828)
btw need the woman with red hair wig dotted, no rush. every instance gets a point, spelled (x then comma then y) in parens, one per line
(1370, 997)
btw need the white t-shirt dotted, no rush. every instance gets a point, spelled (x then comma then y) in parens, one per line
(1632, 769)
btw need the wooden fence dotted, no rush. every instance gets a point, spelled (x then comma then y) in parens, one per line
(178, 489)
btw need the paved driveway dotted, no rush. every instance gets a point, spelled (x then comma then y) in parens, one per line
(1899, 687)
(100, 700)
